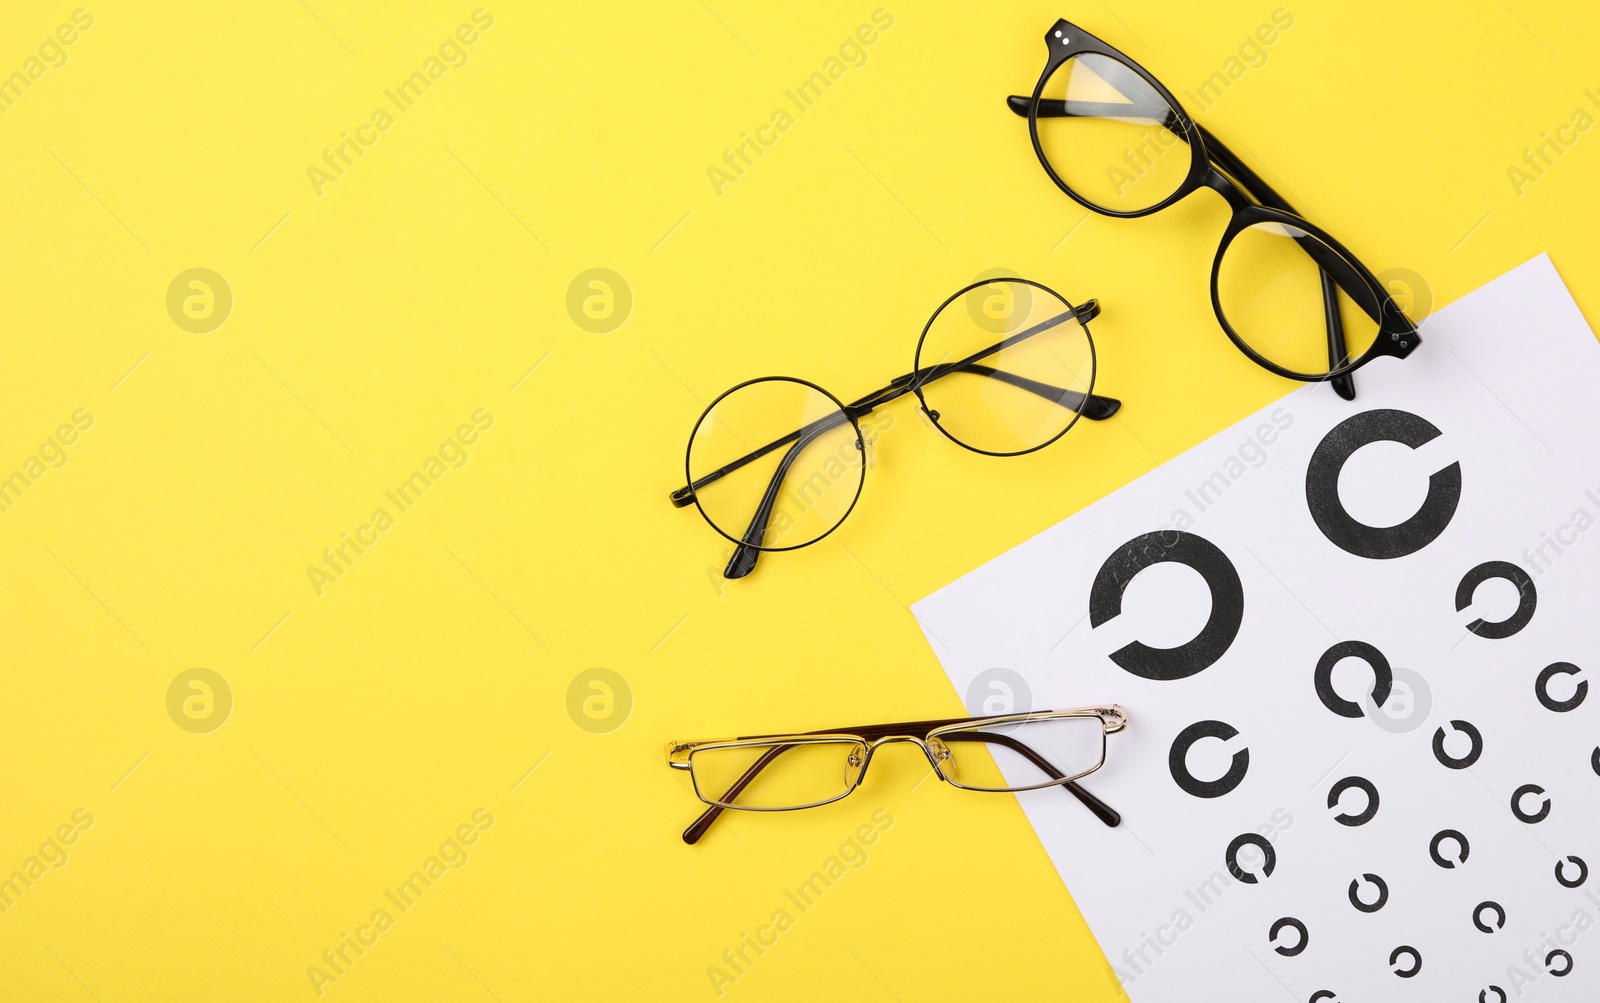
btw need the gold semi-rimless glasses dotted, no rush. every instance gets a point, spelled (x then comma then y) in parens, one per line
(1010, 752)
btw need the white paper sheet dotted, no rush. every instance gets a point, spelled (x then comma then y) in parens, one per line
(1509, 376)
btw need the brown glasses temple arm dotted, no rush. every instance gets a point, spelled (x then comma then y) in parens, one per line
(1101, 810)
(698, 828)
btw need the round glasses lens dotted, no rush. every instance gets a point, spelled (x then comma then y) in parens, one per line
(1109, 136)
(1006, 366)
(1269, 291)
(785, 464)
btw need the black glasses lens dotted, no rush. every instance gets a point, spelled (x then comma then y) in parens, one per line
(1269, 292)
(1109, 136)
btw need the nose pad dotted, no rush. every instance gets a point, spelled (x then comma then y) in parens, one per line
(942, 757)
(854, 764)
(868, 455)
(929, 416)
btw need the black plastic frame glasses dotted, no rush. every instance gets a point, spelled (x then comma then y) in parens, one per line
(1252, 200)
(753, 540)
(934, 738)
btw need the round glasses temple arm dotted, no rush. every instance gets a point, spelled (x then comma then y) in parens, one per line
(748, 551)
(1101, 810)
(684, 497)
(699, 826)
(1096, 408)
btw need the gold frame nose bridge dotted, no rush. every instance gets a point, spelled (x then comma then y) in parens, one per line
(922, 743)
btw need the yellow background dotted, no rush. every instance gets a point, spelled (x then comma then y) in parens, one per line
(371, 320)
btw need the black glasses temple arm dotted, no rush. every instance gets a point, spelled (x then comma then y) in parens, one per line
(1223, 158)
(748, 551)
(1055, 108)
(1257, 188)
(1239, 173)
(684, 497)
(1097, 407)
